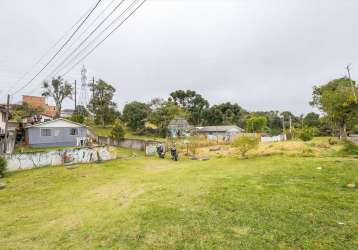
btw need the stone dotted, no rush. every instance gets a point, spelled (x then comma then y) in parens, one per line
(351, 185)
(205, 158)
(2, 185)
(319, 168)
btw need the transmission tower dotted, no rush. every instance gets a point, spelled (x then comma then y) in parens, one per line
(84, 85)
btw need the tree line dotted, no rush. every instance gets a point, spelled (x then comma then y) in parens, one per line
(335, 99)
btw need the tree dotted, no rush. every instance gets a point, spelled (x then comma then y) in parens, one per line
(256, 124)
(244, 144)
(312, 120)
(135, 114)
(18, 112)
(164, 114)
(193, 103)
(101, 103)
(117, 132)
(59, 90)
(306, 133)
(225, 114)
(80, 114)
(337, 100)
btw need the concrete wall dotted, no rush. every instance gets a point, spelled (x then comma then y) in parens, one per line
(273, 138)
(59, 137)
(354, 138)
(60, 157)
(135, 144)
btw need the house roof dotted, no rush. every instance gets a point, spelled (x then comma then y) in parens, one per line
(57, 123)
(227, 128)
(178, 122)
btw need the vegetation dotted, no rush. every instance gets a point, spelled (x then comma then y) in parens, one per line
(337, 100)
(256, 124)
(135, 114)
(101, 103)
(59, 90)
(117, 132)
(19, 112)
(244, 144)
(271, 202)
(2, 166)
(349, 148)
(80, 114)
(306, 134)
(225, 114)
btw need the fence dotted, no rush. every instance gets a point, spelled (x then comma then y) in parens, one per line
(273, 138)
(354, 138)
(58, 157)
(10, 144)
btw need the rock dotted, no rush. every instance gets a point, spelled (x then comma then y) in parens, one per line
(351, 185)
(205, 158)
(2, 185)
(215, 149)
(193, 157)
(319, 168)
(340, 223)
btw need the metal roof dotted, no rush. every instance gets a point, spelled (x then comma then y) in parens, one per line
(224, 128)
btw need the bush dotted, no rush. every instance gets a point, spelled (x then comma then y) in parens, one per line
(355, 129)
(245, 144)
(306, 134)
(117, 132)
(349, 148)
(3, 164)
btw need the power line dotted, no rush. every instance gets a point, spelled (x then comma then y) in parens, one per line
(98, 44)
(81, 52)
(87, 37)
(63, 45)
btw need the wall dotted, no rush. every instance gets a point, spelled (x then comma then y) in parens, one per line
(273, 138)
(59, 137)
(354, 138)
(60, 157)
(128, 143)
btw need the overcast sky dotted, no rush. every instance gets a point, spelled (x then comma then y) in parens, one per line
(262, 54)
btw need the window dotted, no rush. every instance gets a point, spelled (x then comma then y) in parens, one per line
(74, 131)
(45, 132)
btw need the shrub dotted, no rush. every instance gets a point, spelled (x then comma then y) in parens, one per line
(355, 129)
(306, 134)
(3, 164)
(117, 132)
(349, 148)
(244, 144)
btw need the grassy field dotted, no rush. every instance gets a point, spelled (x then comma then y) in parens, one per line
(274, 202)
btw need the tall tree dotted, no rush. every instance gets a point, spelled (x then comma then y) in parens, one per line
(193, 103)
(135, 114)
(337, 100)
(256, 124)
(59, 90)
(162, 116)
(225, 114)
(101, 103)
(312, 120)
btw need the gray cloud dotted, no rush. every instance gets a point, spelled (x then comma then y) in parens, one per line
(265, 55)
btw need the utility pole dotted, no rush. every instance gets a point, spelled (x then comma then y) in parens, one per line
(75, 95)
(7, 123)
(290, 124)
(283, 124)
(352, 85)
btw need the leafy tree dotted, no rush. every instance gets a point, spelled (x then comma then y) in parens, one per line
(59, 90)
(225, 114)
(312, 120)
(192, 102)
(18, 112)
(256, 124)
(80, 114)
(306, 133)
(117, 132)
(274, 121)
(101, 103)
(135, 114)
(244, 144)
(337, 100)
(162, 116)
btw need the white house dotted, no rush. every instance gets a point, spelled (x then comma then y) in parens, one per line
(226, 132)
(56, 133)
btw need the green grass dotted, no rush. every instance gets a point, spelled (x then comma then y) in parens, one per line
(106, 131)
(274, 202)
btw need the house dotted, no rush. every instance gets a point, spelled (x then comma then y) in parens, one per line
(178, 127)
(226, 132)
(40, 102)
(56, 133)
(2, 120)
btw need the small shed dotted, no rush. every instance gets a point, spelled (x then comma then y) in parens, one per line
(56, 133)
(178, 127)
